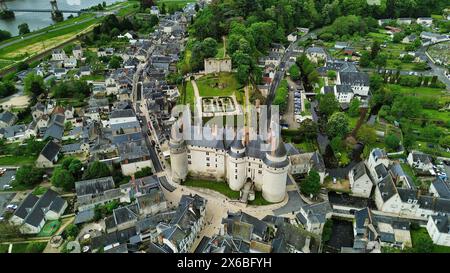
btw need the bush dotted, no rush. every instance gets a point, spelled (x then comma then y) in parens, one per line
(392, 142)
(72, 230)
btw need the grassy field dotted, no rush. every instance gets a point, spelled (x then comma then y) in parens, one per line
(422, 232)
(209, 85)
(49, 228)
(306, 146)
(259, 200)
(4, 248)
(220, 187)
(39, 190)
(23, 247)
(16, 160)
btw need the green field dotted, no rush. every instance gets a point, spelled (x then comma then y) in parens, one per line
(220, 187)
(259, 200)
(39, 190)
(49, 228)
(422, 232)
(4, 248)
(209, 85)
(26, 248)
(16, 160)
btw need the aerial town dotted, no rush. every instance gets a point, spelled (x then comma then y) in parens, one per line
(225, 126)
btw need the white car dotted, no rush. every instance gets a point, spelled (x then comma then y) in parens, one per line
(11, 206)
(1, 218)
(7, 187)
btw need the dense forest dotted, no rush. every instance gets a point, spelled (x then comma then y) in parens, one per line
(252, 25)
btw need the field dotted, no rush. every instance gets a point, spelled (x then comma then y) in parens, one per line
(37, 247)
(220, 187)
(422, 232)
(16, 160)
(210, 85)
(426, 92)
(49, 228)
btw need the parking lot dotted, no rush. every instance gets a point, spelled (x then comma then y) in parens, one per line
(5, 198)
(5, 179)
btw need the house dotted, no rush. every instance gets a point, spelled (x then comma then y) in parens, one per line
(292, 37)
(154, 10)
(378, 162)
(426, 21)
(69, 112)
(58, 55)
(302, 163)
(358, 81)
(179, 234)
(49, 155)
(33, 212)
(405, 21)
(75, 148)
(315, 54)
(70, 63)
(104, 52)
(360, 181)
(440, 188)
(255, 232)
(60, 73)
(420, 162)
(431, 37)
(134, 156)
(38, 110)
(314, 216)
(341, 45)
(438, 227)
(55, 129)
(77, 52)
(85, 71)
(7, 119)
(13, 133)
(409, 39)
(97, 192)
(31, 130)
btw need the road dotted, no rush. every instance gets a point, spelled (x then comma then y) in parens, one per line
(436, 69)
(279, 74)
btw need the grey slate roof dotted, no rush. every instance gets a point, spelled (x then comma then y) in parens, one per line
(84, 216)
(94, 186)
(442, 188)
(51, 150)
(387, 188)
(354, 78)
(359, 170)
(7, 117)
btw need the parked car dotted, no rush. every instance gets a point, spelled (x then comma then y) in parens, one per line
(7, 187)
(11, 206)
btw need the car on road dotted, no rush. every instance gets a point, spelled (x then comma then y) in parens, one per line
(11, 207)
(7, 187)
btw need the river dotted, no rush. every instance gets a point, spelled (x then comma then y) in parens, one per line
(37, 21)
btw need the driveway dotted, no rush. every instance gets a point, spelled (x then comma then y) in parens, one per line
(295, 203)
(6, 178)
(5, 198)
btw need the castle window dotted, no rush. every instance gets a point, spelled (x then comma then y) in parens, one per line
(207, 153)
(260, 165)
(189, 162)
(249, 164)
(189, 156)
(235, 165)
(260, 172)
(235, 177)
(207, 158)
(235, 170)
(207, 164)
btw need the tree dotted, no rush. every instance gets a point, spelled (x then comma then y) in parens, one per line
(34, 85)
(147, 171)
(115, 62)
(23, 29)
(294, 72)
(423, 244)
(35, 247)
(353, 109)
(9, 231)
(374, 49)
(22, 66)
(338, 125)
(72, 230)
(73, 165)
(28, 175)
(392, 142)
(144, 4)
(308, 129)
(62, 178)
(406, 107)
(445, 141)
(96, 169)
(311, 185)
(209, 46)
(4, 35)
(331, 74)
(367, 135)
(364, 61)
(327, 104)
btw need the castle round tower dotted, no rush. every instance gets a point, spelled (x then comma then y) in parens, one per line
(275, 170)
(178, 155)
(236, 174)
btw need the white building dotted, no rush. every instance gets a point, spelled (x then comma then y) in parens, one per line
(360, 182)
(420, 161)
(438, 228)
(58, 55)
(263, 165)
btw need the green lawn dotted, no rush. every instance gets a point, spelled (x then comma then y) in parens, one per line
(49, 228)
(259, 200)
(220, 187)
(16, 160)
(421, 91)
(409, 171)
(23, 247)
(306, 146)
(39, 190)
(422, 232)
(4, 248)
(23, 48)
(209, 85)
